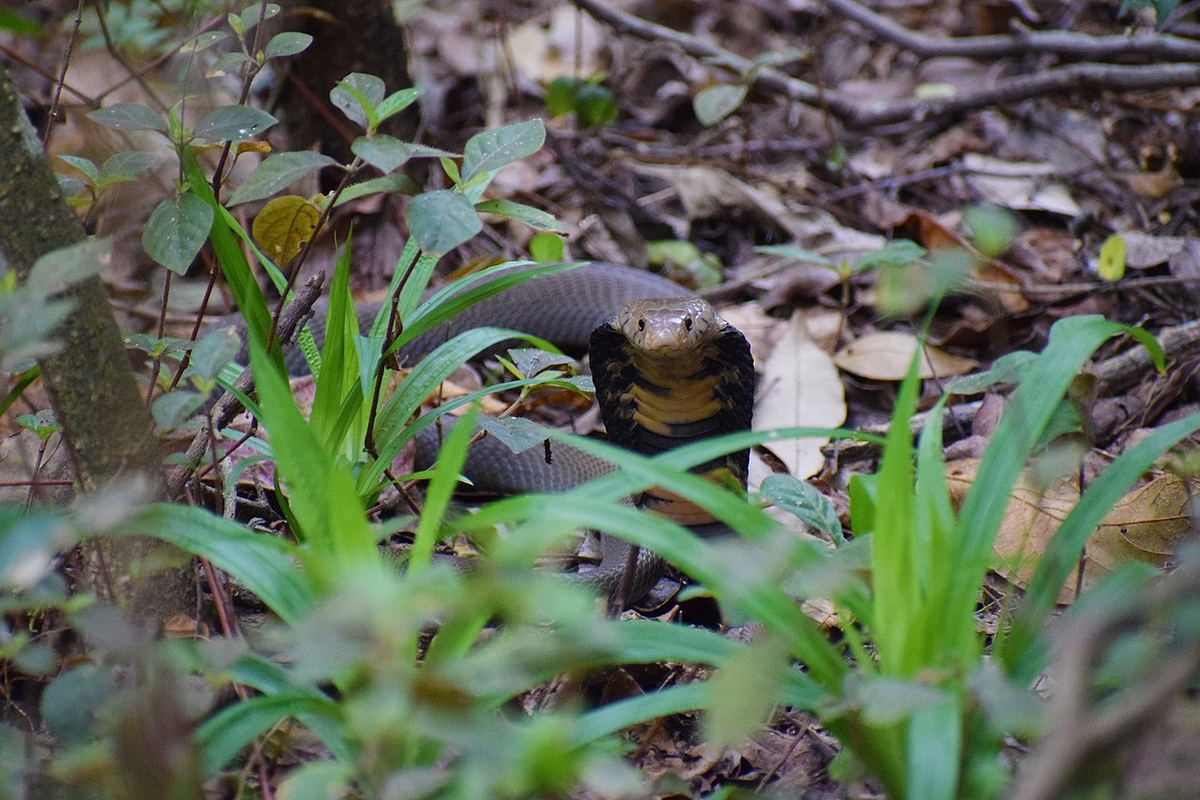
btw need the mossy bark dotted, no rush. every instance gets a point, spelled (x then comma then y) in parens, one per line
(91, 385)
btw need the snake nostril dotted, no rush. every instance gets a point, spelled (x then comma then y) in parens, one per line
(642, 324)
(687, 323)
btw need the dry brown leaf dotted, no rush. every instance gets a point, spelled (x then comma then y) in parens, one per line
(708, 192)
(929, 232)
(885, 356)
(1143, 250)
(1148, 524)
(566, 43)
(1019, 185)
(801, 386)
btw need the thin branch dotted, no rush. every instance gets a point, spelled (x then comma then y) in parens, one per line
(855, 113)
(228, 406)
(1064, 44)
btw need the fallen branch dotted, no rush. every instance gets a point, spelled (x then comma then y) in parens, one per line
(855, 113)
(1064, 44)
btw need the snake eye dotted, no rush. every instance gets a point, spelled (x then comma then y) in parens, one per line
(642, 324)
(687, 323)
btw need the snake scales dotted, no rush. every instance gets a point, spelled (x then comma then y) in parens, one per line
(667, 371)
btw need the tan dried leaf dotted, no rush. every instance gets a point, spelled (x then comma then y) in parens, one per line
(801, 386)
(885, 356)
(1148, 524)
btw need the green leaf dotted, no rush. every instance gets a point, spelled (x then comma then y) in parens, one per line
(278, 172)
(11, 21)
(213, 351)
(129, 117)
(176, 231)
(229, 63)
(806, 503)
(321, 493)
(442, 483)
(358, 96)
(796, 253)
(127, 166)
(224, 735)
(488, 151)
(394, 184)
(1008, 368)
(288, 43)
(714, 103)
(743, 692)
(265, 564)
(935, 742)
(232, 259)
(172, 409)
(397, 102)
(71, 705)
(441, 220)
(533, 217)
(233, 124)
(85, 166)
(893, 254)
(546, 247)
(383, 152)
(1111, 265)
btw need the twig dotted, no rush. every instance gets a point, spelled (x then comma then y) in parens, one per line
(229, 406)
(1065, 44)
(856, 113)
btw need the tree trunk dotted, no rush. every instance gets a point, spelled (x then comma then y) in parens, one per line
(101, 413)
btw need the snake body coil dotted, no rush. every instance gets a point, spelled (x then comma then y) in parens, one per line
(667, 371)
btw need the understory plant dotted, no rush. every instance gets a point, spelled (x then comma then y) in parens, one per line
(418, 682)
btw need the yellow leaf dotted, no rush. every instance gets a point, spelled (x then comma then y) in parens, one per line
(284, 225)
(1112, 258)
(253, 147)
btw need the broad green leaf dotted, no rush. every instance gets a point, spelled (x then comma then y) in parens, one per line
(172, 409)
(441, 220)
(488, 151)
(233, 123)
(127, 166)
(278, 172)
(383, 152)
(129, 117)
(533, 217)
(229, 63)
(288, 43)
(85, 166)
(284, 226)
(714, 103)
(213, 351)
(176, 231)
(363, 108)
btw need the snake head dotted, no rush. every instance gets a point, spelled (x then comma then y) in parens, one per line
(667, 325)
